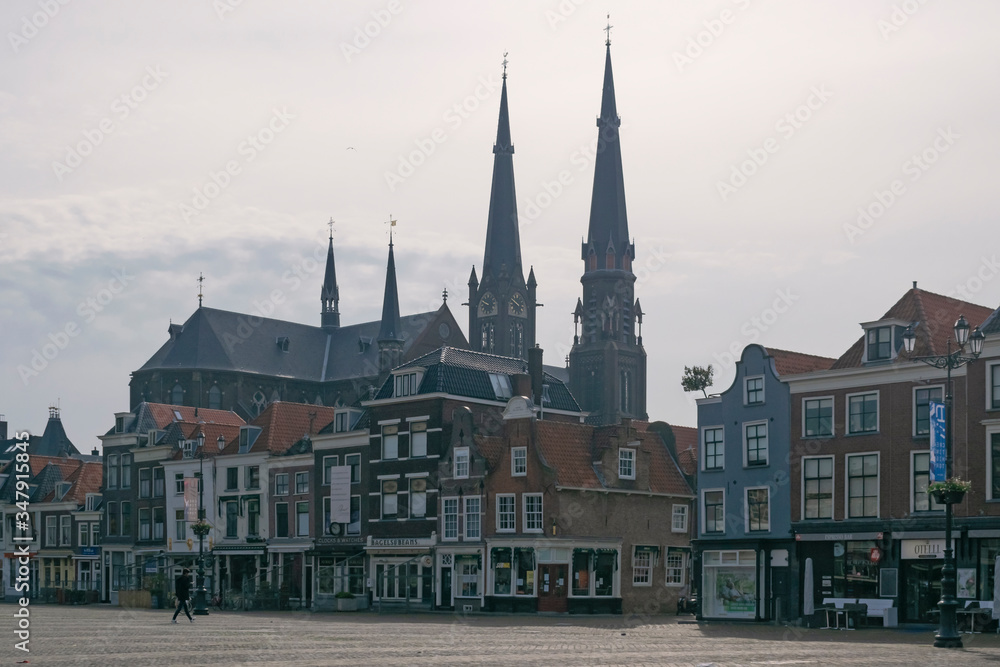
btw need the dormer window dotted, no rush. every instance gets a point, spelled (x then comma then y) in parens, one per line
(501, 386)
(282, 342)
(152, 437)
(188, 447)
(407, 384)
(244, 440)
(62, 488)
(626, 463)
(879, 343)
(119, 424)
(342, 421)
(91, 502)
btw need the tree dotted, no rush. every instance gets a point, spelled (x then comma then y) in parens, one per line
(697, 378)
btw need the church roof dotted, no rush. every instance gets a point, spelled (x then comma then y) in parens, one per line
(503, 244)
(213, 339)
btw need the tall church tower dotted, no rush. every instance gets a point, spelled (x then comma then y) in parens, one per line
(390, 333)
(502, 306)
(330, 294)
(607, 370)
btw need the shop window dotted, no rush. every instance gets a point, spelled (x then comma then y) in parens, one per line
(468, 576)
(502, 570)
(729, 584)
(524, 559)
(581, 571)
(606, 562)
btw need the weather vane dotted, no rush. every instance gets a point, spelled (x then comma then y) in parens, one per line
(201, 280)
(330, 225)
(608, 31)
(392, 223)
(505, 64)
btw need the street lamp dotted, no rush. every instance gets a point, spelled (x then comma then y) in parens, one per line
(200, 600)
(947, 636)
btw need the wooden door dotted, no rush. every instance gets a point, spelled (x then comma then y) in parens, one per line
(553, 588)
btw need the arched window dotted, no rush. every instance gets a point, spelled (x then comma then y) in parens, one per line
(626, 392)
(177, 395)
(488, 340)
(215, 397)
(259, 403)
(517, 339)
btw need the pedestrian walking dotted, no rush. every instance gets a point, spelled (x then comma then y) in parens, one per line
(182, 589)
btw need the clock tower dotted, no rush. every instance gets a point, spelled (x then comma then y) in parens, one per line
(502, 305)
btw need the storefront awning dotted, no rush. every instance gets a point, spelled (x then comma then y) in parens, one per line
(500, 554)
(585, 551)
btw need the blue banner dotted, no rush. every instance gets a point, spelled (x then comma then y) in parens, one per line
(938, 452)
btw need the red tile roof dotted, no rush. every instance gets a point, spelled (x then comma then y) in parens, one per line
(229, 433)
(284, 424)
(165, 415)
(935, 315)
(85, 478)
(790, 363)
(686, 446)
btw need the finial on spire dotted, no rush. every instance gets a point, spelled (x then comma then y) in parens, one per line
(444, 295)
(201, 281)
(608, 31)
(391, 223)
(505, 65)
(330, 225)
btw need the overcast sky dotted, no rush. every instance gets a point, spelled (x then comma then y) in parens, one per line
(752, 134)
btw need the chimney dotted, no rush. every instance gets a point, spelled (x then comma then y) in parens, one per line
(535, 370)
(3, 427)
(521, 384)
(94, 452)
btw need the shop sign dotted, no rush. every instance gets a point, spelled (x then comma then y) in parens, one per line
(836, 537)
(922, 549)
(875, 555)
(328, 541)
(90, 551)
(395, 542)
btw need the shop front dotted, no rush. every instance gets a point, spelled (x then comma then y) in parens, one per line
(729, 584)
(846, 566)
(459, 578)
(401, 571)
(340, 568)
(921, 561)
(242, 569)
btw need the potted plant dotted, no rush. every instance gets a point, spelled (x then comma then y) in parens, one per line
(346, 601)
(201, 528)
(949, 492)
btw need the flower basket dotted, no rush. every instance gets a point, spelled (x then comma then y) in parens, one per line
(346, 601)
(201, 528)
(949, 492)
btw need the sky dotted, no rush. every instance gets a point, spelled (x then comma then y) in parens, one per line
(790, 168)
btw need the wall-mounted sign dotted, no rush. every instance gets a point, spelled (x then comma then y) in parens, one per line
(922, 549)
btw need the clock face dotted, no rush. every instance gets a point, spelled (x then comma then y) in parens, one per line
(517, 305)
(335, 529)
(487, 305)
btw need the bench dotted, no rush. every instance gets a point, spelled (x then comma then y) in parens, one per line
(884, 609)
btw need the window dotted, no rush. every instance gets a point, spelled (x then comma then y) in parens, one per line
(253, 518)
(532, 512)
(159, 521)
(126, 471)
(406, 384)
(506, 516)
(626, 463)
(177, 395)
(301, 482)
(715, 521)
(922, 398)
(354, 460)
(468, 576)
(714, 449)
(390, 442)
(145, 482)
(862, 413)
(83, 534)
(113, 526)
(472, 518)
(145, 524)
(450, 509)
(95, 534)
(302, 519)
(519, 461)
(232, 518)
(126, 518)
(923, 501)
(418, 439)
(758, 510)
(756, 441)
(329, 462)
(232, 479)
(879, 344)
(215, 398)
(995, 466)
(676, 567)
(754, 390)
(252, 477)
(461, 462)
(679, 516)
(418, 498)
(179, 483)
(159, 482)
(389, 498)
(341, 422)
(817, 493)
(281, 484)
(354, 527)
(113, 471)
(281, 519)
(862, 486)
(994, 387)
(51, 531)
(501, 385)
(180, 526)
(642, 567)
(817, 417)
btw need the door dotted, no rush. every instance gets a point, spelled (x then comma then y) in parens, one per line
(552, 588)
(446, 600)
(922, 591)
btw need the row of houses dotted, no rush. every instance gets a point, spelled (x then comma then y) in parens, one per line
(807, 458)
(469, 481)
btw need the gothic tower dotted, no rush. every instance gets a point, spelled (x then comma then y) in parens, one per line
(330, 294)
(608, 363)
(502, 306)
(390, 338)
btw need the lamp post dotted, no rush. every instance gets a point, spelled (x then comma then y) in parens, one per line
(947, 636)
(200, 600)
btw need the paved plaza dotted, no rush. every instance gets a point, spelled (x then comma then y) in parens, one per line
(100, 635)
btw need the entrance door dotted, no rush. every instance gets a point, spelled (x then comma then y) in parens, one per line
(552, 589)
(922, 590)
(446, 600)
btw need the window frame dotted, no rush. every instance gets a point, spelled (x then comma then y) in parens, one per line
(516, 454)
(526, 514)
(805, 416)
(746, 444)
(626, 455)
(916, 408)
(331, 461)
(868, 343)
(747, 391)
(126, 478)
(51, 531)
(251, 477)
(878, 409)
(302, 514)
(463, 454)
(301, 482)
(747, 523)
(720, 444)
(803, 509)
(847, 484)
(385, 494)
(932, 505)
(113, 471)
(159, 482)
(446, 515)
(418, 433)
(232, 478)
(281, 487)
(642, 574)
(674, 515)
(178, 484)
(145, 524)
(356, 466)
(232, 515)
(721, 521)
(993, 386)
(991, 479)
(506, 519)
(680, 569)
(477, 512)
(145, 482)
(390, 433)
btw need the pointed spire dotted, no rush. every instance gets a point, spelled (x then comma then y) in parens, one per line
(330, 293)
(503, 244)
(532, 283)
(608, 219)
(390, 329)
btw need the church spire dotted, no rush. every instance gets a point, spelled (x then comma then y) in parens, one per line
(390, 329)
(330, 294)
(503, 245)
(608, 220)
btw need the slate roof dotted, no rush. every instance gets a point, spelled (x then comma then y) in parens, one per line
(466, 373)
(935, 315)
(213, 339)
(790, 363)
(86, 478)
(503, 245)
(992, 323)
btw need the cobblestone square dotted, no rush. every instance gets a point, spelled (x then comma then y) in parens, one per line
(99, 635)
